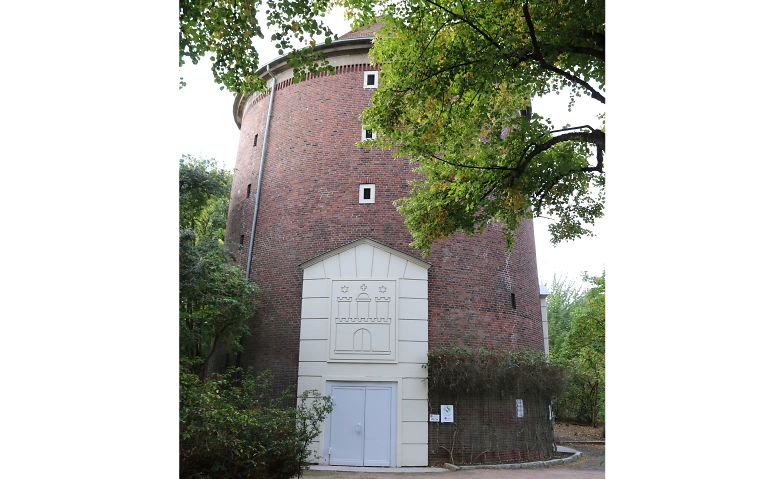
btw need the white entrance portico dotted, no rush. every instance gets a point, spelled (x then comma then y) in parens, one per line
(363, 341)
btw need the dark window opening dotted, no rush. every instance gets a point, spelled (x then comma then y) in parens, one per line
(255, 139)
(248, 195)
(368, 134)
(514, 303)
(366, 193)
(242, 240)
(371, 79)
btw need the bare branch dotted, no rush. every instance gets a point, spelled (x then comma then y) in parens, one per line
(596, 137)
(504, 168)
(467, 22)
(547, 66)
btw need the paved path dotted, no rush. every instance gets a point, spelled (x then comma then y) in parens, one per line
(589, 466)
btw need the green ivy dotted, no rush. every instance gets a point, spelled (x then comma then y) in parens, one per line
(476, 372)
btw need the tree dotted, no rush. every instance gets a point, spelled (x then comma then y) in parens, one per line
(225, 30)
(455, 98)
(581, 351)
(562, 302)
(204, 197)
(215, 298)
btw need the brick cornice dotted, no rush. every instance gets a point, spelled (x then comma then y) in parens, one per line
(278, 67)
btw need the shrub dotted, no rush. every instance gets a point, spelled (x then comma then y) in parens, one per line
(231, 427)
(475, 372)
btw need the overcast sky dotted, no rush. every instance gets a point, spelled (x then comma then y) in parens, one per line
(206, 128)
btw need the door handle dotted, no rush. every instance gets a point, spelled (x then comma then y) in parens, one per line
(358, 429)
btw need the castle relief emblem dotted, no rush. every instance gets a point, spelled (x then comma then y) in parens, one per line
(362, 326)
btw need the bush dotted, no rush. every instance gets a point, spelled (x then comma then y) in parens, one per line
(475, 372)
(583, 398)
(231, 427)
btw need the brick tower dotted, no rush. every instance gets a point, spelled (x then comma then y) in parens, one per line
(347, 306)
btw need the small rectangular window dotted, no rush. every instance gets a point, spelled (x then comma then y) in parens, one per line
(371, 80)
(514, 303)
(242, 240)
(255, 139)
(367, 193)
(519, 404)
(368, 134)
(248, 195)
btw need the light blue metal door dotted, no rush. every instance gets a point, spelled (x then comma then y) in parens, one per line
(361, 426)
(347, 426)
(378, 430)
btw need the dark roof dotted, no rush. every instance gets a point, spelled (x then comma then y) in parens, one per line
(366, 31)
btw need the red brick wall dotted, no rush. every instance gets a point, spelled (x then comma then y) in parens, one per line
(486, 430)
(309, 205)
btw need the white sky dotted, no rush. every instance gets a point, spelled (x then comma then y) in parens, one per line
(206, 128)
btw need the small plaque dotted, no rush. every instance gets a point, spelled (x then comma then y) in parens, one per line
(435, 418)
(447, 413)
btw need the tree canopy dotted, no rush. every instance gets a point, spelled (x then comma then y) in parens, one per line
(563, 301)
(576, 328)
(204, 196)
(215, 298)
(225, 30)
(457, 97)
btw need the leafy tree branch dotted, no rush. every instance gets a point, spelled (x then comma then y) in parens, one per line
(457, 75)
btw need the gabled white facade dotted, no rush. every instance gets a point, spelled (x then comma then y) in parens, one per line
(363, 337)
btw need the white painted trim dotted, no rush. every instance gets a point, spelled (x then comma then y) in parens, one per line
(363, 134)
(375, 82)
(362, 199)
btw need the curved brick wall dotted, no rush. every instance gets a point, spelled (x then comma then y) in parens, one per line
(309, 205)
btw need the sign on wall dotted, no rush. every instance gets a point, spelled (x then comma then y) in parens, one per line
(447, 413)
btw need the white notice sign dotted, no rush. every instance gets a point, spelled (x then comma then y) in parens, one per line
(447, 413)
(435, 418)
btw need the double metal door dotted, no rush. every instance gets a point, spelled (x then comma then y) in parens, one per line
(361, 425)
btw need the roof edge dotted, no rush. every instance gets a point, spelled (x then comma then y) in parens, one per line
(279, 64)
(368, 241)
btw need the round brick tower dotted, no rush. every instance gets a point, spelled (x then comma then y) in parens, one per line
(347, 306)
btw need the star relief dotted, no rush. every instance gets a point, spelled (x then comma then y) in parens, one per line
(382, 289)
(363, 287)
(344, 289)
